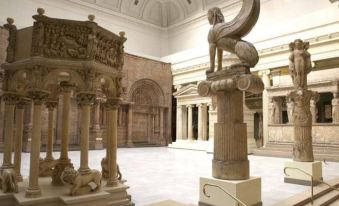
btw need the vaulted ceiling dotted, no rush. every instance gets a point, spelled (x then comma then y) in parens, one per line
(162, 13)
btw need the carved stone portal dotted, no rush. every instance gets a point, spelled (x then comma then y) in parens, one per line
(299, 67)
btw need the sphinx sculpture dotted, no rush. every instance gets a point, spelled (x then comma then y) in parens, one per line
(81, 184)
(227, 36)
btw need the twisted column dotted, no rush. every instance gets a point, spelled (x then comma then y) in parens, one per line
(10, 100)
(112, 140)
(33, 189)
(85, 100)
(19, 135)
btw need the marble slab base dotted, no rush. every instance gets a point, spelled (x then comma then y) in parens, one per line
(248, 191)
(297, 177)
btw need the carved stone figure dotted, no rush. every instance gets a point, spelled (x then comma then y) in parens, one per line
(290, 110)
(300, 66)
(227, 36)
(300, 63)
(81, 184)
(8, 182)
(46, 167)
(104, 167)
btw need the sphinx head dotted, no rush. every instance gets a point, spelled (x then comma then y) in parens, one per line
(215, 16)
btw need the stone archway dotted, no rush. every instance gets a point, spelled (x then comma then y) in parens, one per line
(146, 113)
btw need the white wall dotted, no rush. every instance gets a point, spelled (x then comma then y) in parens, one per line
(280, 22)
(144, 40)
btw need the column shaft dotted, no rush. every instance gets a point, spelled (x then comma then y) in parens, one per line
(112, 115)
(85, 122)
(130, 127)
(161, 125)
(184, 122)
(8, 140)
(65, 125)
(335, 108)
(179, 122)
(265, 103)
(200, 123)
(18, 141)
(204, 122)
(33, 189)
(190, 123)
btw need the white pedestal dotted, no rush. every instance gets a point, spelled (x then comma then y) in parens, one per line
(248, 191)
(297, 177)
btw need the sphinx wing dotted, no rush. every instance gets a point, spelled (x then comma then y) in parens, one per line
(243, 23)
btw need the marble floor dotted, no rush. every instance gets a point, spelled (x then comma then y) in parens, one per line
(161, 173)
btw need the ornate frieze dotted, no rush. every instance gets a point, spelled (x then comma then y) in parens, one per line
(60, 38)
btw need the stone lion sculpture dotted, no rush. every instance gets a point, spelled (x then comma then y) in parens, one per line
(8, 183)
(227, 36)
(81, 184)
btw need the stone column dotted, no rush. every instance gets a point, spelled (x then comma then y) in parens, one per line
(96, 114)
(190, 122)
(112, 140)
(19, 135)
(10, 100)
(335, 108)
(204, 122)
(51, 105)
(85, 100)
(200, 122)
(184, 122)
(64, 161)
(314, 111)
(33, 189)
(179, 122)
(130, 126)
(265, 103)
(230, 160)
(161, 125)
(211, 117)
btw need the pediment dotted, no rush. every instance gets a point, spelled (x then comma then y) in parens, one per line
(190, 89)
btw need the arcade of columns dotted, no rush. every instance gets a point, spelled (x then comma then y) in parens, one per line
(66, 58)
(185, 121)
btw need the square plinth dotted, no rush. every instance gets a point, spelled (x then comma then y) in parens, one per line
(295, 176)
(248, 191)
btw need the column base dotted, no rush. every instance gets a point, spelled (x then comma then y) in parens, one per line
(58, 169)
(113, 183)
(248, 191)
(297, 177)
(84, 171)
(230, 170)
(33, 192)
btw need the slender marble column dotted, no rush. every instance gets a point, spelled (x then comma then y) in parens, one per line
(265, 76)
(85, 100)
(161, 125)
(19, 135)
(96, 116)
(190, 122)
(33, 189)
(67, 90)
(64, 161)
(179, 122)
(200, 122)
(10, 101)
(51, 105)
(130, 126)
(112, 140)
(184, 122)
(204, 122)
(335, 108)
